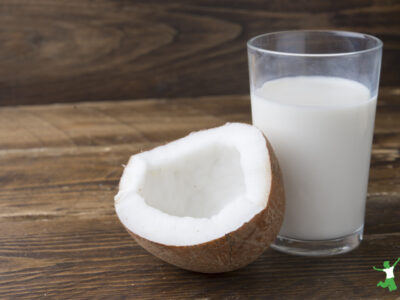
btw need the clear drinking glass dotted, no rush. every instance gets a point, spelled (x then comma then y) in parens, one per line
(313, 94)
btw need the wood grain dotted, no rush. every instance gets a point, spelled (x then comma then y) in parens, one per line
(82, 50)
(60, 238)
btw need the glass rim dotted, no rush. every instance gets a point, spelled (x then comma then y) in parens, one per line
(341, 32)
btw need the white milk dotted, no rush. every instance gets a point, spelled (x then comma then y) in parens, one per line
(321, 130)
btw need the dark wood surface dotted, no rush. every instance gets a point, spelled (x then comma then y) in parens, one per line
(60, 237)
(84, 50)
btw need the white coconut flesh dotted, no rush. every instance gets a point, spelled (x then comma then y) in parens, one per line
(198, 188)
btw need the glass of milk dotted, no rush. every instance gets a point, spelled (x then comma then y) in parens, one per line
(314, 94)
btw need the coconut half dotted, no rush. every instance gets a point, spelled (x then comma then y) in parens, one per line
(210, 202)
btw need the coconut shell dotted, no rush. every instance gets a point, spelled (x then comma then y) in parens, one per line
(237, 248)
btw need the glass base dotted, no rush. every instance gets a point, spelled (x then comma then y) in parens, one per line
(318, 248)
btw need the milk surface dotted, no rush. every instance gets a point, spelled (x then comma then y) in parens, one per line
(321, 130)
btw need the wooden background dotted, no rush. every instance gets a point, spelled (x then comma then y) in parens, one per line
(60, 237)
(60, 164)
(83, 50)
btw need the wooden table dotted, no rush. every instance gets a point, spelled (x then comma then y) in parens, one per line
(60, 238)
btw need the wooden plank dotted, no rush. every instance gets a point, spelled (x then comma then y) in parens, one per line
(85, 179)
(60, 238)
(152, 120)
(95, 258)
(110, 123)
(80, 50)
